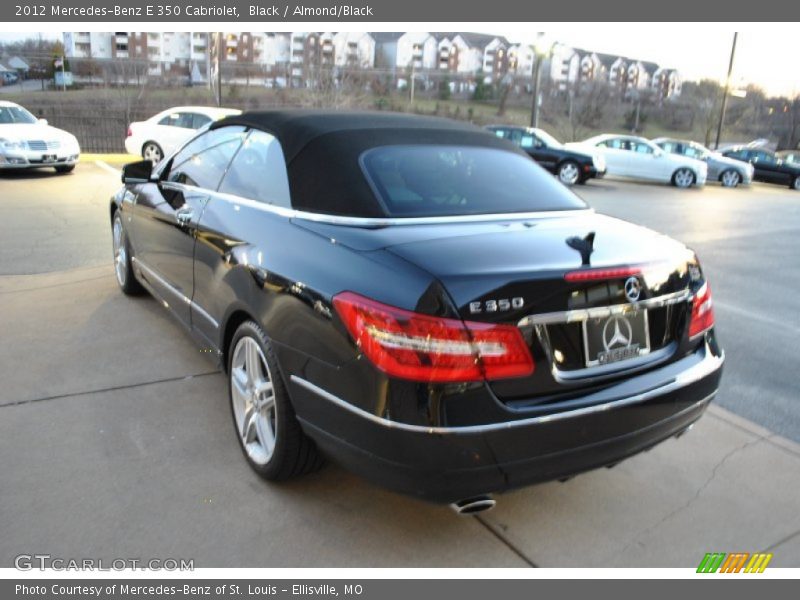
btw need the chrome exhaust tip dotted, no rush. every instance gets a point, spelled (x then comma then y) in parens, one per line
(472, 506)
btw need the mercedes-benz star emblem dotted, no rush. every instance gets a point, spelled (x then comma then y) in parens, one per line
(632, 289)
(617, 332)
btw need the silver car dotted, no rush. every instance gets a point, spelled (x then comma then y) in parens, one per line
(728, 171)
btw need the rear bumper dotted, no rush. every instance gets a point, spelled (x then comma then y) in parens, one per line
(445, 464)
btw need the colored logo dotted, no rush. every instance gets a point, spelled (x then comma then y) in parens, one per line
(737, 562)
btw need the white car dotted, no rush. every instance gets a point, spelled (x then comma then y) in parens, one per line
(28, 143)
(161, 134)
(639, 158)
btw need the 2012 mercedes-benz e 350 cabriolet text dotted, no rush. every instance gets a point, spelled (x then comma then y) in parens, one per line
(417, 299)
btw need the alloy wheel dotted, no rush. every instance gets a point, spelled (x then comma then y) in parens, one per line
(253, 399)
(120, 253)
(796, 184)
(684, 178)
(568, 173)
(153, 153)
(730, 178)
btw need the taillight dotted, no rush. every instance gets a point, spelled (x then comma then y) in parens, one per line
(596, 274)
(702, 312)
(419, 347)
(130, 133)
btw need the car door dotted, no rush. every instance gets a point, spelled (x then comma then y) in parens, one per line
(771, 167)
(643, 162)
(615, 151)
(237, 228)
(166, 215)
(541, 152)
(174, 130)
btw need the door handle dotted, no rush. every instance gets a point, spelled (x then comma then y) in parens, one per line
(184, 215)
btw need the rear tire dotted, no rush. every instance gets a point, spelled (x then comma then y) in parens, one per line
(683, 178)
(569, 173)
(65, 169)
(730, 178)
(152, 152)
(268, 431)
(796, 183)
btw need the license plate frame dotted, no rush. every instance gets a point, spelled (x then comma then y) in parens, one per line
(49, 158)
(632, 326)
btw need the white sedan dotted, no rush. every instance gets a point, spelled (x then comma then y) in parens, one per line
(28, 143)
(639, 158)
(161, 134)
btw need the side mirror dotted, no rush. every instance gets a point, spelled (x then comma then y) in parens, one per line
(42, 121)
(137, 172)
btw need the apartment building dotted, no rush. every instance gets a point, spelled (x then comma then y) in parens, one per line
(297, 58)
(571, 68)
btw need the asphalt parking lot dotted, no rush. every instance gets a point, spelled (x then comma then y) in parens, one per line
(116, 439)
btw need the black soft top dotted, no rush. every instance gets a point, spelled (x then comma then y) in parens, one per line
(322, 150)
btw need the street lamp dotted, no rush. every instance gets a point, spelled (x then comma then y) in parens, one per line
(541, 51)
(727, 90)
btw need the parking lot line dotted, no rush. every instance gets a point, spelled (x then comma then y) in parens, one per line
(107, 167)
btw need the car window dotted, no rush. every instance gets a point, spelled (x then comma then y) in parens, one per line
(202, 162)
(178, 119)
(641, 148)
(764, 157)
(692, 151)
(529, 141)
(501, 133)
(433, 180)
(15, 114)
(671, 147)
(258, 171)
(616, 143)
(199, 120)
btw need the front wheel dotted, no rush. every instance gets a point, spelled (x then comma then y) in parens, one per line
(569, 173)
(266, 426)
(730, 179)
(683, 178)
(796, 183)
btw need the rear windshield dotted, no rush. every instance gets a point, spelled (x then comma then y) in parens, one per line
(431, 181)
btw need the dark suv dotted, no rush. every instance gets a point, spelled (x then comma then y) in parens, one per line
(769, 167)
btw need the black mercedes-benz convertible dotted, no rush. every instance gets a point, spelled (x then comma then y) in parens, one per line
(417, 299)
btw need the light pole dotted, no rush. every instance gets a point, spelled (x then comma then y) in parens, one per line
(541, 51)
(727, 90)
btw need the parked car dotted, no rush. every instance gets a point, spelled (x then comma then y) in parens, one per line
(570, 165)
(639, 158)
(418, 299)
(768, 166)
(728, 171)
(163, 133)
(29, 143)
(8, 77)
(792, 156)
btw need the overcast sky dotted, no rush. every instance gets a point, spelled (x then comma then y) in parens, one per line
(766, 57)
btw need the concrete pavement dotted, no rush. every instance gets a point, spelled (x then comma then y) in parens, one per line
(117, 442)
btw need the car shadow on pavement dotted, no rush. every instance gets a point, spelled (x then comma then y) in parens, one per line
(43, 173)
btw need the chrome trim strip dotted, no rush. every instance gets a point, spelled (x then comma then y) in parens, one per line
(691, 375)
(600, 312)
(194, 305)
(375, 223)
